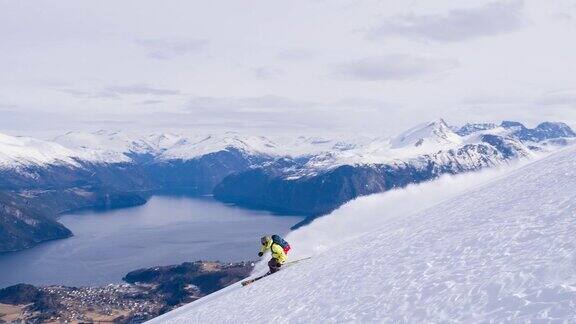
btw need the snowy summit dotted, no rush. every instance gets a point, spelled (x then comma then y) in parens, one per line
(436, 133)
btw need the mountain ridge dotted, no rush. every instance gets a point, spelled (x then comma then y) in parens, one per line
(298, 185)
(309, 176)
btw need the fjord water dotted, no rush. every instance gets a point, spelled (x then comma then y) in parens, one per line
(167, 230)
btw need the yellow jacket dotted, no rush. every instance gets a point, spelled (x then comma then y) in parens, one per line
(276, 250)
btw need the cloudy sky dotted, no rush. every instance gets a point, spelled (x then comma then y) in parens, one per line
(298, 66)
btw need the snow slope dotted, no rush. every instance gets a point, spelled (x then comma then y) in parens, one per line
(18, 151)
(504, 251)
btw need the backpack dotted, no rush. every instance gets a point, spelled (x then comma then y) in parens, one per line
(280, 241)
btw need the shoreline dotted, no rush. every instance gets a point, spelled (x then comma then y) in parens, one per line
(168, 230)
(144, 294)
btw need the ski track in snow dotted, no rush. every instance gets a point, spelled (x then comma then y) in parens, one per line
(501, 252)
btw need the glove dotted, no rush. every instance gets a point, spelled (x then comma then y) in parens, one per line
(278, 264)
(260, 254)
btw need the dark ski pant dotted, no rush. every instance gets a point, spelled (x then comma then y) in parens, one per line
(274, 265)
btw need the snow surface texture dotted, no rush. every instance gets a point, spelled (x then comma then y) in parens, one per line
(500, 252)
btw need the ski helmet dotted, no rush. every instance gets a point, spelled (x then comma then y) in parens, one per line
(265, 239)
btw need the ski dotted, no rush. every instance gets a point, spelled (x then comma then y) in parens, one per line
(249, 281)
(295, 261)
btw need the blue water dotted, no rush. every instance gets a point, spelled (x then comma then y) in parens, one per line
(167, 230)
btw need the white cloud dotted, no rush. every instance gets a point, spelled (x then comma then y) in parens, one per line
(91, 94)
(392, 67)
(141, 89)
(151, 102)
(457, 25)
(558, 98)
(116, 91)
(267, 72)
(164, 49)
(244, 103)
(296, 54)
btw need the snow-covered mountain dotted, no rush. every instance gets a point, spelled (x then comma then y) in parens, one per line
(316, 184)
(304, 175)
(319, 153)
(115, 146)
(18, 151)
(433, 135)
(501, 252)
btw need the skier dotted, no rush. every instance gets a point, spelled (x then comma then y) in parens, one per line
(279, 249)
